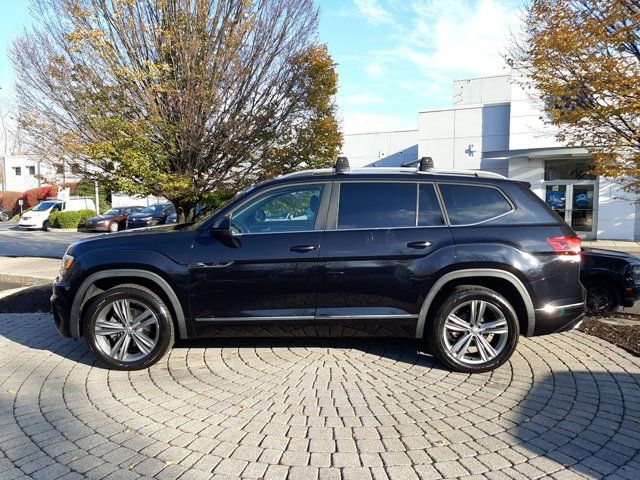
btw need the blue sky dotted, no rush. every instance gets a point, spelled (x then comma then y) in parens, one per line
(395, 57)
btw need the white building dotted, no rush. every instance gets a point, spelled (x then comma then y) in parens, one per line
(494, 125)
(23, 172)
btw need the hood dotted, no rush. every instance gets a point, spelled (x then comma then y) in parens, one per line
(611, 253)
(100, 217)
(139, 237)
(142, 215)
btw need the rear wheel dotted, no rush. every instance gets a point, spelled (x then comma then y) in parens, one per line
(475, 330)
(128, 328)
(602, 297)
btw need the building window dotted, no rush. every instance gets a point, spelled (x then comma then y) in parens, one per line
(59, 167)
(17, 171)
(75, 169)
(568, 170)
(31, 169)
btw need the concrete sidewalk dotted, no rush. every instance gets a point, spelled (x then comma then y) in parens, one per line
(28, 270)
(632, 247)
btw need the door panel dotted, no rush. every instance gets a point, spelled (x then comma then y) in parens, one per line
(375, 273)
(261, 277)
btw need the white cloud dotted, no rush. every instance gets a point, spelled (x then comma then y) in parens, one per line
(374, 12)
(365, 98)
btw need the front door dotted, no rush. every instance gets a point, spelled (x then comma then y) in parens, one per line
(268, 272)
(378, 253)
(575, 202)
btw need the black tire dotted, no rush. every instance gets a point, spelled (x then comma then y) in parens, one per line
(602, 297)
(500, 310)
(113, 227)
(4, 216)
(46, 226)
(164, 330)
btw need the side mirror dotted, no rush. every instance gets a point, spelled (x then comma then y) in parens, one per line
(221, 231)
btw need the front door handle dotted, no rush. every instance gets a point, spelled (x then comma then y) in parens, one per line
(302, 248)
(424, 244)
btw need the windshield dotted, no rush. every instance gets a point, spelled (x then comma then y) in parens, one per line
(113, 211)
(44, 206)
(152, 209)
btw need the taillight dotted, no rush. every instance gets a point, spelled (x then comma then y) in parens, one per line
(569, 248)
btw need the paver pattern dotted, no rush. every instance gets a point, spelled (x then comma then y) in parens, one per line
(565, 406)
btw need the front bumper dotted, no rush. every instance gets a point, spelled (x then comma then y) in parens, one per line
(139, 223)
(61, 301)
(97, 227)
(631, 295)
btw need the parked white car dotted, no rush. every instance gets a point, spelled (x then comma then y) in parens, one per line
(38, 216)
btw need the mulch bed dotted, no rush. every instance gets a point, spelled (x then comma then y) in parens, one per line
(625, 336)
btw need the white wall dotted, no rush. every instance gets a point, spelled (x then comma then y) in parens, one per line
(24, 181)
(616, 212)
(122, 200)
(381, 148)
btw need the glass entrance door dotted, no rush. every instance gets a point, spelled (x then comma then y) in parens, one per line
(575, 203)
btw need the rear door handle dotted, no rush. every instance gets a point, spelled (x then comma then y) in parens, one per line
(424, 244)
(302, 248)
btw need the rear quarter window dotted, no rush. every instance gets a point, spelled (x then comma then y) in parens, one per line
(469, 204)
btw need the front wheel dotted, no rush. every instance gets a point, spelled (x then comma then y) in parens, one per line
(602, 297)
(4, 217)
(128, 328)
(46, 226)
(475, 330)
(113, 227)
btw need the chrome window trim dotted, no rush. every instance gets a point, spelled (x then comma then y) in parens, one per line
(468, 184)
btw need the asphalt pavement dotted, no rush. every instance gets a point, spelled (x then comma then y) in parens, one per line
(15, 242)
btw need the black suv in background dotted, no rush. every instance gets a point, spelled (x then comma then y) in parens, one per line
(612, 279)
(469, 260)
(150, 216)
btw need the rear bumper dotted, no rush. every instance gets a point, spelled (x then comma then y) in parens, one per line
(559, 316)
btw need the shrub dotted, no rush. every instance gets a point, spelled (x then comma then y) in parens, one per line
(35, 195)
(9, 201)
(85, 215)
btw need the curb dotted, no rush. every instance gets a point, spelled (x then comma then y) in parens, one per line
(25, 279)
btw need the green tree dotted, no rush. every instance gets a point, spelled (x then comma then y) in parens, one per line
(583, 56)
(178, 98)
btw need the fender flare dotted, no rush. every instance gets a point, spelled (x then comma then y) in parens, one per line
(473, 273)
(78, 300)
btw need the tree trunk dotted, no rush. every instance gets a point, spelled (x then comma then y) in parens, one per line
(185, 209)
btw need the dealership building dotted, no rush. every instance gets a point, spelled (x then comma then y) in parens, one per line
(494, 125)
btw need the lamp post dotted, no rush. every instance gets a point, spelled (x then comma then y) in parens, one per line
(95, 184)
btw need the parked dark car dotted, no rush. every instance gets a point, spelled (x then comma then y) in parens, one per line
(468, 261)
(612, 279)
(173, 218)
(150, 216)
(5, 215)
(112, 220)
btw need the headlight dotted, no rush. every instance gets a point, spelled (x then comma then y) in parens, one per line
(67, 261)
(636, 271)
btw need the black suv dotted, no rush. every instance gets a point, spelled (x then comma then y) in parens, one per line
(611, 279)
(468, 260)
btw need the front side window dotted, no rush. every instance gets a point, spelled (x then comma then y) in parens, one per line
(469, 204)
(290, 209)
(377, 205)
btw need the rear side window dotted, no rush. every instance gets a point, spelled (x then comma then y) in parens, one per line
(429, 213)
(377, 205)
(467, 204)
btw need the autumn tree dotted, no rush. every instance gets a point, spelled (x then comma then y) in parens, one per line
(178, 98)
(583, 57)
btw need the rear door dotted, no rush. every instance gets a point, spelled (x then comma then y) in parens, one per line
(383, 243)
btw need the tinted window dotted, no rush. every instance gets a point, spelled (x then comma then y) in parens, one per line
(283, 210)
(429, 213)
(472, 204)
(377, 205)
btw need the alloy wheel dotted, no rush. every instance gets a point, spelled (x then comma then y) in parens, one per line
(126, 330)
(475, 332)
(599, 299)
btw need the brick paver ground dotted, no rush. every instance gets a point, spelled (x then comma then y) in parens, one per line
(566, 406)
